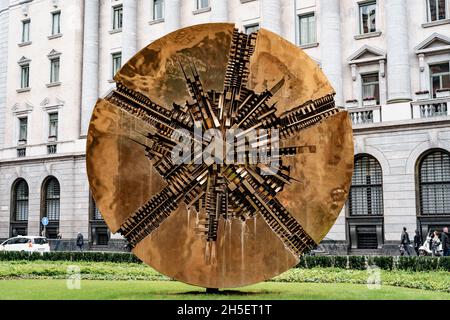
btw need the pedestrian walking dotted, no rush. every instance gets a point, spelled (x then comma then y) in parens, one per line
(417, 241)
(445, 240)
(80, 241)
(404, 243)
(58, 241)
(436, 246)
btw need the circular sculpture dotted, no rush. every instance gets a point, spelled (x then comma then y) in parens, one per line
(220, 156)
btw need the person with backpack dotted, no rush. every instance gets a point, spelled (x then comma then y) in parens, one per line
(404, 243)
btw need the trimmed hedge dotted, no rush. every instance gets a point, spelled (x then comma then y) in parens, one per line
(94, 256)
(413, 263)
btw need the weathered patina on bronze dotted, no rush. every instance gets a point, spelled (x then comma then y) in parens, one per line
(230, 224)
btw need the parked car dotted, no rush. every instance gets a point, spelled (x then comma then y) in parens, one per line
(26, 244)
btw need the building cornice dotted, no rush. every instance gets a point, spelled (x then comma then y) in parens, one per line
(40, 159)
(401, 126)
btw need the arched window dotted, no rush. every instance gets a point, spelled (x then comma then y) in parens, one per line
(51, 206)
(366, 192)
(21, 201)
(52, 195)
(19, 216)
(434, 183)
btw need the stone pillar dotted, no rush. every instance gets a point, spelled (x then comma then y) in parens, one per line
(89, 86)
(172, 22)
(271, 15)
(219, 10)
(4, 19)
(398, 68)
(129, 30)
(330, 42)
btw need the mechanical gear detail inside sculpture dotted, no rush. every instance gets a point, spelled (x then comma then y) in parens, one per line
(219, 192)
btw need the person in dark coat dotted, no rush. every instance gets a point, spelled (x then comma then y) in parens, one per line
(417, 242)
(404, 242)
(80, 241)
(445, 240)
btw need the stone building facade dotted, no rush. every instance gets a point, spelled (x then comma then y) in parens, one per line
(388, 61)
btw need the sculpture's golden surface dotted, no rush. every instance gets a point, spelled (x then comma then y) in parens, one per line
(226, 224)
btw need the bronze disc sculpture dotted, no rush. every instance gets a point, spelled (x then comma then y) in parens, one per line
(233, 217)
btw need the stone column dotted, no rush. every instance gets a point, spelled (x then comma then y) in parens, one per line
(4, 19)
(89, 86)
(172, 15)
(129, 30)
(219, 10)
(271, 15)
(330, 42)
(398, 68)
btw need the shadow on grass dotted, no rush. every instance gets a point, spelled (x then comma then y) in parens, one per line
(226, 293)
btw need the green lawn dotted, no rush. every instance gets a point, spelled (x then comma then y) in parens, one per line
(103, 289)
(106, 280)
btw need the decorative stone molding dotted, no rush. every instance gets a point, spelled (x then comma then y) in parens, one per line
(436, 43)
(51, 105)
(354, 71)
(53, 54)
(367, 35)
(118, 30)
(23, 61)
(54, 36)
(435, 23)
(427, 52)
(21, 109)
(309, 45)
(23, 44)
(366, 54)
(202, 10)
(156, 21)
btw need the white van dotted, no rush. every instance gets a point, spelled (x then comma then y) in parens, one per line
(26, 243)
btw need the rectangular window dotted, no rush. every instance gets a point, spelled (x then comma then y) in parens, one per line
(367, 236)
(51, 149)
(56, 22)
(96, 212)
(201, 4)
(371, 87)
(26, 31)
(440, 77)
(367, 17)
(21, 152)
(251, 28)
(54, 70)
(307, 25)
(53, 125)
(23, 128)
(158, 9)
(436, 10)
(25, 76)
(116, 62)
(117, 17)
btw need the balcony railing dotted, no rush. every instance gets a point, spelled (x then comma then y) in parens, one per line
(430, 108)
(365, 115)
